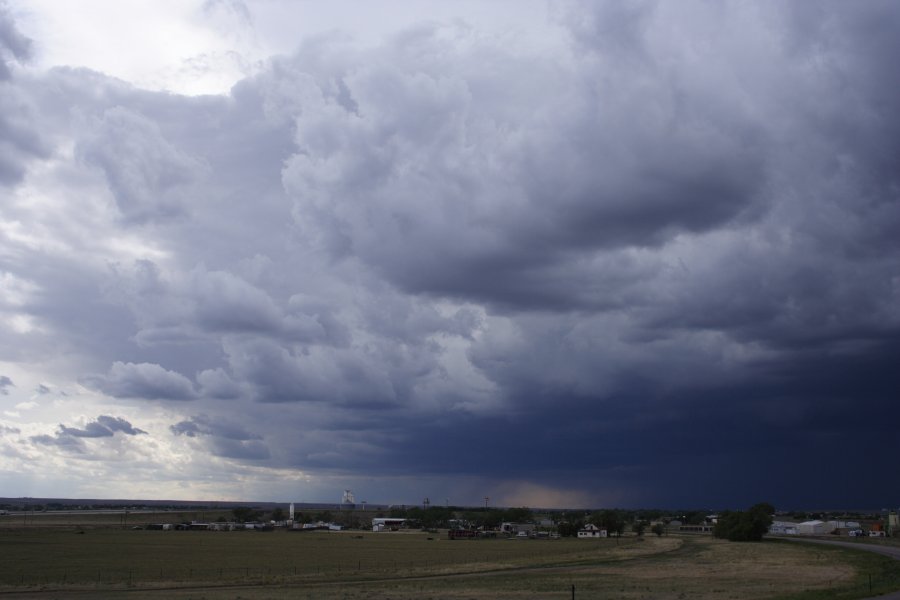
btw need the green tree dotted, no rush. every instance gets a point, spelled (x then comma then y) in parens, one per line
(695, 517)
(414, 516)
(244, 514)
(638, 527)
(745, 526)
(492, 519)
(278, 514)
(436, 516)
(518, 515)
(610, 520)
(569, 528)
(658, 529)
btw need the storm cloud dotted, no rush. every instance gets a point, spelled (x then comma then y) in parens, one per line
(650, 260)
(70, 439)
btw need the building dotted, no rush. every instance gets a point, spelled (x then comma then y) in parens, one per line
(517, 528)
(387, 523)
(813, 528)
(591, 531)
(783, 528)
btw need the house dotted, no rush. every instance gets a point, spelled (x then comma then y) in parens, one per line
(591, 531)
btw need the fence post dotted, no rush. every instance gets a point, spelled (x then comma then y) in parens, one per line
(573, 591)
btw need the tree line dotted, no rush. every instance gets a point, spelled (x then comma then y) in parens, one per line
(749, 525)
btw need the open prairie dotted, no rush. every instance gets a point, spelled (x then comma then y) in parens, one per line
(113, 563)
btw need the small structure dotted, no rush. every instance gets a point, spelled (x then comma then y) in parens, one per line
(591, 531)
(517, 528)
(382, 523)
(812, 528)
(783, 528)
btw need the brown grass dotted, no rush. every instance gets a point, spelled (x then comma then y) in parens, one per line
(263, 566)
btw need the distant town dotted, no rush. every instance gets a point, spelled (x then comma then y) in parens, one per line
(458, 521)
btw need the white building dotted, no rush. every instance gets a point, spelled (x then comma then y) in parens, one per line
(382, 523)
(591, 531)
(813, 528)
(510, 527)
(783, 528)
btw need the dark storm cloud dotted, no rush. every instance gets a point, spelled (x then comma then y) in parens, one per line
(70, 438)
(784, 436)
(715, 222)
(657, 256)
(103, 426)
(224, 438)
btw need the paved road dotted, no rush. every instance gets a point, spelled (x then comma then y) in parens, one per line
(892, 551)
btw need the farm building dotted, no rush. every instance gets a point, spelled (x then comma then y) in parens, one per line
(813, 528)
(783, 528)
(382, 523)
(517, 528)
(591, 531)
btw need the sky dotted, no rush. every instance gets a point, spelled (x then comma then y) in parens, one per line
(551, 254)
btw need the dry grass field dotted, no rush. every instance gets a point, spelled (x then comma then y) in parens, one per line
(55, 562)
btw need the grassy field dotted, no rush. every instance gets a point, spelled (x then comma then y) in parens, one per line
(112, 563)
(94, 520)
